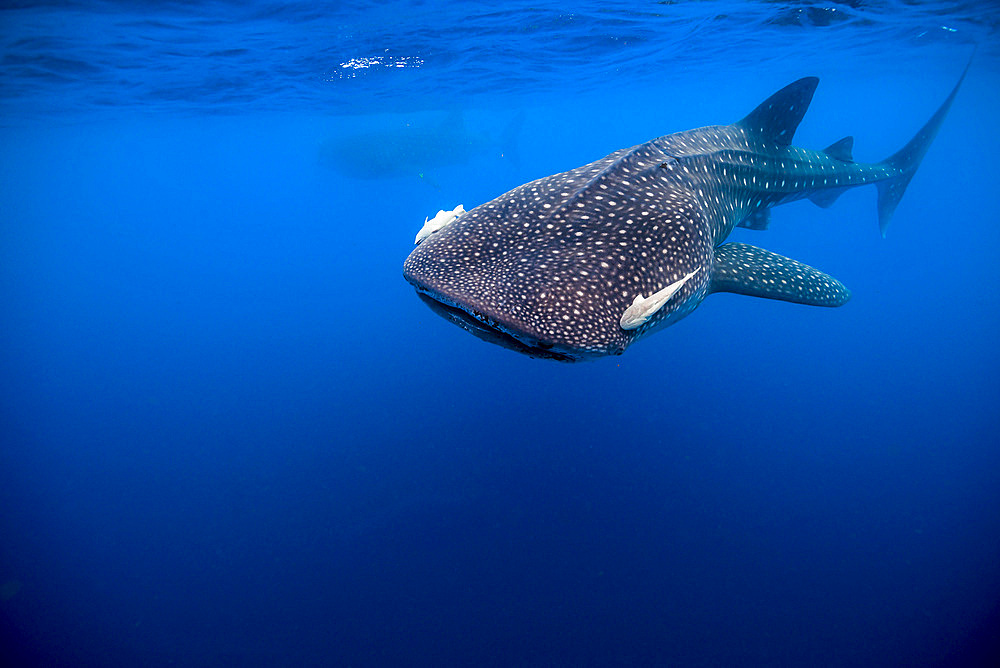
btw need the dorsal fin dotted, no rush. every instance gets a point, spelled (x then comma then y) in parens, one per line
(777, 118)
(841, 150)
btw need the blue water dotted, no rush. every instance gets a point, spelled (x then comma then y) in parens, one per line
(233, 436)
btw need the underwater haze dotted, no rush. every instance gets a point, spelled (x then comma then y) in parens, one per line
(231, 434)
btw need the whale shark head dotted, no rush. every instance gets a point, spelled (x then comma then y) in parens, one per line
(550, 268)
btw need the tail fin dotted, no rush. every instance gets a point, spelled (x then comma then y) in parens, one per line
(908, 158)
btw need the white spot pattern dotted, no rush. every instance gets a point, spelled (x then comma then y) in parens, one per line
(566, 274)
(555, 262)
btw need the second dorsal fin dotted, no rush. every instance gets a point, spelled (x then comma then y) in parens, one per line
(841, 150)
(777, 118)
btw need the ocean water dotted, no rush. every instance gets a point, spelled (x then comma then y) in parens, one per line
(232, 435)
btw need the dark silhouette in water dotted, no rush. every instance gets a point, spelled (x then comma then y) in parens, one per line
(413, 149)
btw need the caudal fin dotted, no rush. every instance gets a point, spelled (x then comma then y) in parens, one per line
(907, 159)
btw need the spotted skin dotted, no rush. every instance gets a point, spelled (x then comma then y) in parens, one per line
(748, 270)
(551, 266)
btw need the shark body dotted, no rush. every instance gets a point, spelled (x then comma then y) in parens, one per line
(558, 267)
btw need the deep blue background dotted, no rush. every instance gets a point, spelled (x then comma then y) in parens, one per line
(232, 435)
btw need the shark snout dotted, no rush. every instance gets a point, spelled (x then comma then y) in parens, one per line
(476, 298)
(544, 316)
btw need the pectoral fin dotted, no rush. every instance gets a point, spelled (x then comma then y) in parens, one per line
(748, 270)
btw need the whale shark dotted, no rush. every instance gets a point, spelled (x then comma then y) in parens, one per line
(415, 146)
(582, 264)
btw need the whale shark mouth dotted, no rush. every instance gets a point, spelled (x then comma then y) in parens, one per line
(486, 328)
